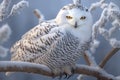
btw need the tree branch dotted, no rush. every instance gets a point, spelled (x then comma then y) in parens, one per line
(108, 56)
(89, 59)
(15, 66)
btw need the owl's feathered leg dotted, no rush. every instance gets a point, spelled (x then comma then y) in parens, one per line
(68, 72)
(72, 71)
(64, 72)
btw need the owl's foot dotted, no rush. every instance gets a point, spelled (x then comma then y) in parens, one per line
(64, 72)
(67, 74)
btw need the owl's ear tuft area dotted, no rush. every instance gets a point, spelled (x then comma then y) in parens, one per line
(77, 2)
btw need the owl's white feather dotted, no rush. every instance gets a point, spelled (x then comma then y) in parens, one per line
(58, 43)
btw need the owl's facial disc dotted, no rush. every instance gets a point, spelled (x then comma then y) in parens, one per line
(78, 18)
(75, 21)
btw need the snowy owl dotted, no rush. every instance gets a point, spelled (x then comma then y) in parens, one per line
(57, 43)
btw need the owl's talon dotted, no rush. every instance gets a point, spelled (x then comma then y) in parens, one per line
(72, 71)
(65, 75)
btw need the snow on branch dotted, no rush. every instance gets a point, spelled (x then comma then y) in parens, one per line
(16, 66)
(111, 13)
(5, 33)
(101, 4)
(18, 7)
(4, 8)
(77, 2)
(90, 59)
(5, 30)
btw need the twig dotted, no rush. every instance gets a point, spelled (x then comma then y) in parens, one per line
(89, 59)
(108, 56)
(37, 13)
(15, 66)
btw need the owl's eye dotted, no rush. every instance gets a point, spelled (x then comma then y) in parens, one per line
(69, 17)
(83, 18)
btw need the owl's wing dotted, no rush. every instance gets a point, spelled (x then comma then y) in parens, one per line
(29, 48)
(42, 29)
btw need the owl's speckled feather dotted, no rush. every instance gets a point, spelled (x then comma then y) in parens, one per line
(57, 43)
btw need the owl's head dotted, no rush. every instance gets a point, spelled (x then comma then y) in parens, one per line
(74, 15)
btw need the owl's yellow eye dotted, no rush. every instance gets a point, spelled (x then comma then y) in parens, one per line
(69, 17)
(83, 18)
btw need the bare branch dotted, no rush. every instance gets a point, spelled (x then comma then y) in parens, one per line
(86, 59)
(108, 56)
(39, 15)
(16, 66)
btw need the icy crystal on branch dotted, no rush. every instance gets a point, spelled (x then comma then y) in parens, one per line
(111, 13)
(4, 9)
(19, 6)
(5, 32)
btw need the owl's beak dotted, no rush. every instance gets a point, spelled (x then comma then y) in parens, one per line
(76, 25)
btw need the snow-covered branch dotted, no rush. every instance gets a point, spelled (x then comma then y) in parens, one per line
(111, 13)
(4, 8)
(5, 30)
(90, 59)
(16, 66)
(5, 33)
(18, 7)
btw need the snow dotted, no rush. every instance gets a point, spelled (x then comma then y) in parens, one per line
(111, 13)
(5, 33)
(4, 9)
(18, 7)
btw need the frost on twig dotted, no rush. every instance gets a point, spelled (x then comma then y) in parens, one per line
(80, 77)
(4, 9)
(111, 13)
(39, 15)
(94, 44)
(18, 7)
(101, 4)
(5, 32)
(91, 59)
(77, 2)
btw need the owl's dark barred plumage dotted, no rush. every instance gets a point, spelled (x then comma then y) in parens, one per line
(57, 43)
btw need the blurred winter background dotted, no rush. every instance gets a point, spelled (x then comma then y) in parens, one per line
(20, 23)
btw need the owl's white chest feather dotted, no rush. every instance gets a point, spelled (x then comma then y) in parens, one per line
(84, 33)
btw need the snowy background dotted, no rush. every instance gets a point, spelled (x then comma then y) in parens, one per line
(20, 23)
